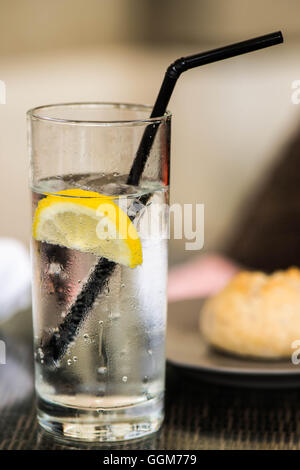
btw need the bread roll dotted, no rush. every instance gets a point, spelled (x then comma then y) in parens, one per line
(255, 315)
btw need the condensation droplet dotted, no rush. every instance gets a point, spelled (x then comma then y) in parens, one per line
(75, 358)
(124, 379)
(69, 362)
(40, 352)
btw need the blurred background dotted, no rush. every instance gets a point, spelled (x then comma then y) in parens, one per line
(230, 119)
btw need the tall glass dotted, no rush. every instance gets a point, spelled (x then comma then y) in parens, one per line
(99, 263)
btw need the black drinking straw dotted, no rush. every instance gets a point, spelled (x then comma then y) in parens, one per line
(55, 347)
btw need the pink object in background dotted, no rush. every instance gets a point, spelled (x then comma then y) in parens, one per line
(204, 276)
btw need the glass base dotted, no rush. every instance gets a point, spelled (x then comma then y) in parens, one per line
(101, 425)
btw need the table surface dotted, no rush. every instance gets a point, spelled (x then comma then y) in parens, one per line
(199, 415)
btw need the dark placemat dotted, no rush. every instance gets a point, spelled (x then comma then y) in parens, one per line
(198, 415)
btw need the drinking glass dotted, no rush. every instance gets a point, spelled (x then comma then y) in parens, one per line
(99, 267)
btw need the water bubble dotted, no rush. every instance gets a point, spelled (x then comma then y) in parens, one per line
(69, 362)
(75, 358)
(54, 268)
(124, 379)
(101, 323)
(40, 353)
(88, 339)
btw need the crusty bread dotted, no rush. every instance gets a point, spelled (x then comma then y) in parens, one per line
(255, 314)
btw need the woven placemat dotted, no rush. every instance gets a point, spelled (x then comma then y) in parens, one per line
(198, 416)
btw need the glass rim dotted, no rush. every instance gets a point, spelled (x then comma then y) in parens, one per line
(33, 113)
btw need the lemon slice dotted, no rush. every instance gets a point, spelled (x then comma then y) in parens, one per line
(89, 222)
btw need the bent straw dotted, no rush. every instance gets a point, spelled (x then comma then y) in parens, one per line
(56, 346)
(172, 74)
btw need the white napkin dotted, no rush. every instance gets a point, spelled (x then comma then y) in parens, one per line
(15, 277)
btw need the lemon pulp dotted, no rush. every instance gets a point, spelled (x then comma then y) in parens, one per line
(89, 222)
